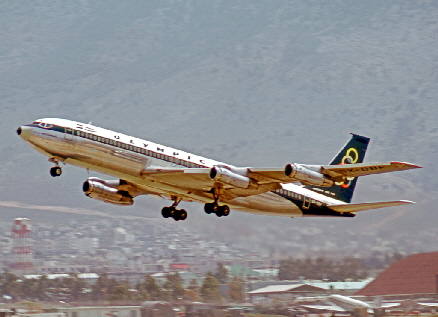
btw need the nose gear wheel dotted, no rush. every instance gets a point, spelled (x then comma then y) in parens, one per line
(56, 170)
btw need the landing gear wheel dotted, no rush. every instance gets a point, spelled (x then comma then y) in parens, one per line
(56, 171)
(167, 212)
(223, 211)
(211, 208)
(180, 215)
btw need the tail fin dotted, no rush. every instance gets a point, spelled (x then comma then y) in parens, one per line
(353, 152)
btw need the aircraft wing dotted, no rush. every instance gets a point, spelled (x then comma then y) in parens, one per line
(367, 206)
(184, 177)
(333, 172)
(326, 307)
(243, 182)
(362, 169)
(199, 179)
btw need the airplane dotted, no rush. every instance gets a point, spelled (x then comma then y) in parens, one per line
(146, 168)
(340, 303)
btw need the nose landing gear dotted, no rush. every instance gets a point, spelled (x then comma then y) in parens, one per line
(56, 170)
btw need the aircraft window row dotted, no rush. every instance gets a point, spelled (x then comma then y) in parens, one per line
(136, 149)
(289, 194)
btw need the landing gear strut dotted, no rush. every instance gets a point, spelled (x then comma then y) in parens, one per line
(172, 212)
(214, 208)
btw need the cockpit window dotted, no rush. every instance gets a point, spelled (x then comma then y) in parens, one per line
(45, 125)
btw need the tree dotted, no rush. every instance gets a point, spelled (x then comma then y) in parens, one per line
(153, 290)
(77, 285)
(286, 270)
(30, 288)
(43, 285)
(103, 287)
(235, 292)
(10, 285)
(174, 286)
(121, 293)
(210, 292)
(191, 293)
(221, 273)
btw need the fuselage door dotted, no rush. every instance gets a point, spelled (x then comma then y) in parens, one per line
(306, 202)
(68, 133)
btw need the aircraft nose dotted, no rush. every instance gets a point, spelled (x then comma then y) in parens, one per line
(24, 132)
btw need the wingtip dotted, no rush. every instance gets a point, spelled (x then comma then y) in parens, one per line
(406, 165)
(407, 202)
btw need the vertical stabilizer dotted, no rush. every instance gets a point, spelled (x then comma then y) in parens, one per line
(352, 152)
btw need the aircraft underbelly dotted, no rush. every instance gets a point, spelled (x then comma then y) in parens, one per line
(266, 204)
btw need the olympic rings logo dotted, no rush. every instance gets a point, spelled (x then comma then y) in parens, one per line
(350, 157)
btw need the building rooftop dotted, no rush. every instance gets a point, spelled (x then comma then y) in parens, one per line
(416, 274)
(273, 289)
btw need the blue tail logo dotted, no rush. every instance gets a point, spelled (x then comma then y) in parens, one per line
(350, 157)
(352, 152)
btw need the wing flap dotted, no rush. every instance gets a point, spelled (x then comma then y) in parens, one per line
(367, 206)
(265, 175)
(362, 169)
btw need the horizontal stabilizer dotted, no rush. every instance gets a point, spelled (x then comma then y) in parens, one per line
(362, 169)
(366, 206)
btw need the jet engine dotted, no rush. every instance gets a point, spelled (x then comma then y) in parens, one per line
(225, 176)
(307, 176)
(107, 191)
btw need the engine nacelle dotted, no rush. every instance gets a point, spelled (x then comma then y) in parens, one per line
(307, 176)
(106, 191)
(225, 176)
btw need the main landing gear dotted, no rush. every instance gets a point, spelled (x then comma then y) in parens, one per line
(209, 208)
(172, 212)
(214, 208)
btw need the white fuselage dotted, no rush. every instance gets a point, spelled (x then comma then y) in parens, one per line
(127, 157)
(348, 303)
